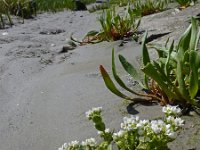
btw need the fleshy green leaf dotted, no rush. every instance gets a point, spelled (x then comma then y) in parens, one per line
(194, 35)
(92, 33)
(180, 79)
(150, 70)
(168, 59)
(117, 78)
(145, 58)
(130, 70)
(194, 65)
(184, 42)
(110, 85)
(145, 53)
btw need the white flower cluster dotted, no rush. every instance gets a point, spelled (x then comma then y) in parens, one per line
(142, 130)
(93, 111)
(168, 127)
(73, 144)
(171, 110)
(129, 123)
(160, 127)
(157, 126)
(119, 134)
(106, 131)
(177, 122)
(169, 132)
(89, 142)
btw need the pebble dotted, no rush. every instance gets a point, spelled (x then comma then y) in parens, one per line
(5, 33)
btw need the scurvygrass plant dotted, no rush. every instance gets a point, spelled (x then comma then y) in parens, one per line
(185, 3)
(55, 5)
(4, 13)
(23, 8)
(121, 3)
(148, 7)
(98, 7)
(173, 78)
(113, 27)
(58, 5)
(28, 8)
(135, 134)
(88, 1)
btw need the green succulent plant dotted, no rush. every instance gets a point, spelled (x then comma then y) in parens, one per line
(121, 3)
(113, 27)
(23, 8)
(98, 7)
(173, 78)
(148, 7)
(185, 3)
(55, 5)
(28, 8)
(4, 11)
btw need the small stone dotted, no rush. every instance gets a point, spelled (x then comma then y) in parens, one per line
(176, 10)
(53, 45)
(5, 33)
(67, 48)
(192, 113)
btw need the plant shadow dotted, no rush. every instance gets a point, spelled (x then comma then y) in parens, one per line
(138, 101)
(155, 36)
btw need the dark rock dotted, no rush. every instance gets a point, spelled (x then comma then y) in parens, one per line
(67, 48)
(101, 1)
(25, 12)
(52, 31)
(80, 5)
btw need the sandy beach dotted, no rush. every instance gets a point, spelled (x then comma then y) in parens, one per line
(44, 94)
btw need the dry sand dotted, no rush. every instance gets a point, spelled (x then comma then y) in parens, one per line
(44, 94)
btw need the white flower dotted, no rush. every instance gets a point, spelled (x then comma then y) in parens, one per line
(142, 123)
(73, 143)
(118, 134)
(97, 109)
(178, 122)
(90, 142)
(88, 113)
(170, 119)
(156, 129)
(171, 110)
(164, 109)
(140, 131)
(99, 132)
(129, 123)
(172, 134)
(168, 126)
(65, 145)
(107, 130)
(157, 126)
(94, 110)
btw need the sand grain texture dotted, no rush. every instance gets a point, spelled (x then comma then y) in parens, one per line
(44, 94)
